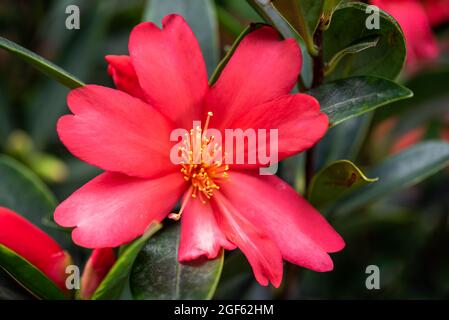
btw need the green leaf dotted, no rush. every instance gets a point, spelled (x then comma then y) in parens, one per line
(348, 28)
(269, 13)
(201, 17)
(157, 274)
(330, 6)
(348, 98)
(22, 191)
(332, 182)
(397, 172)
(304, 15)
(47, 67)
(353, 49)
(29, 276)
(113, 284)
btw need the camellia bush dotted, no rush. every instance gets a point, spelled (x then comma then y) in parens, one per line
(199, 149)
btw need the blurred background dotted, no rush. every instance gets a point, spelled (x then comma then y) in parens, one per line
(406, 233)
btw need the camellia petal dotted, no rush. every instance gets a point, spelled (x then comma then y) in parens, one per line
(200, 234)
(262, 68)
(113, 209)
(122, 72)
(95, 270)
(261, 252)
(296, 119)
(116, 132)
(301, 233)
(31, 243)
(170, 68)
(437, 11)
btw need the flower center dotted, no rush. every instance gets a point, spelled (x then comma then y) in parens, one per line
(202, 165)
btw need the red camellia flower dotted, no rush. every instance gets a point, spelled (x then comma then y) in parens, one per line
(34, 245)
(412, 17)
(163, 86)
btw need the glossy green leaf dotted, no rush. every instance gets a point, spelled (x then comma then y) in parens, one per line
(353, 49)
(270, 14)
(201, 17)
(348, 98)
(28, 275)
(348, 27)
(42, 64)
(397, 172)
(332, 182)
(113, 284)
(304, 15)
(157, 274)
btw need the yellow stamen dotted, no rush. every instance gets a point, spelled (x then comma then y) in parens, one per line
(202, 165)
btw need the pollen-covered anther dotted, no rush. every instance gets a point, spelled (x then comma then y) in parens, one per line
(202, 164)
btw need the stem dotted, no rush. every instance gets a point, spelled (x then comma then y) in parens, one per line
(318, 61)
